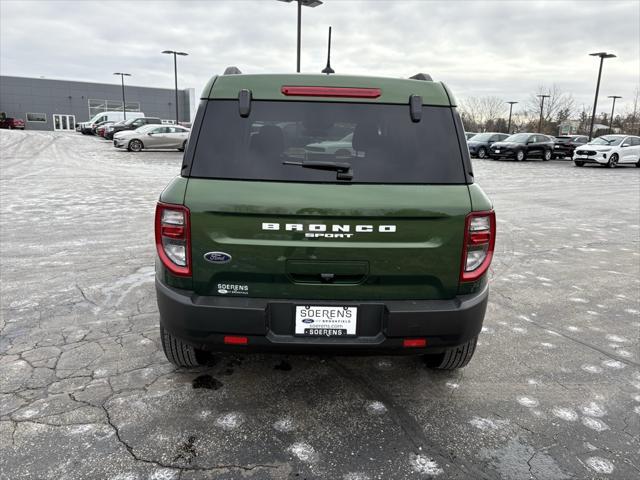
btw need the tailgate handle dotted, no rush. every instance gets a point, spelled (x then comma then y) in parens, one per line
(327, 272)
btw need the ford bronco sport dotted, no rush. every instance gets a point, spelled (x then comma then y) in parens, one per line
(325, 213)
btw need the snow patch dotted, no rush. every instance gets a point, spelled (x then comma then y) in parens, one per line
(600, 465)
(423, 464)
(567, 414)
(595, 424)
(164, 474)
(284, 425)
(613, 364)
(528, 402)
(304, 452)
(485, 424)
(229, 421)
(376, 408)
(616, 338)
(591, 368)
(592, 409)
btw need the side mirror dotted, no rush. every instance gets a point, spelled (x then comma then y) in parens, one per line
(150, 134)
(626, 144)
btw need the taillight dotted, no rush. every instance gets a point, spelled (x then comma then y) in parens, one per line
(479, 241)
(345, 92)
(173, 238)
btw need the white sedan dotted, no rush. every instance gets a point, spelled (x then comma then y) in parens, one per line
(609, 150)
(152, 136)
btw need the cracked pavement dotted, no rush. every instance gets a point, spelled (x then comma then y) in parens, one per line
(553, 391)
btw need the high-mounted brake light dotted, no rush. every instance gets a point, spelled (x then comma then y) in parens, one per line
(343, 92)
(479, 242)
(173, 238)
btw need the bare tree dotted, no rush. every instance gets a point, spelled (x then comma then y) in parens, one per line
(479, 111)
(559, 106)
(631, 121)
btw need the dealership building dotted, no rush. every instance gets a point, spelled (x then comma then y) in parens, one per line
(46, 104)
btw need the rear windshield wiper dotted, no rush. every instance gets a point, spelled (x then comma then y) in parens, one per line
(343, 169)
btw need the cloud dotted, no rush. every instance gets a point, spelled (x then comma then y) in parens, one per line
(503, 48)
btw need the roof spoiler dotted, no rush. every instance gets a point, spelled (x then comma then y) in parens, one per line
(232, 71)
(422, 76)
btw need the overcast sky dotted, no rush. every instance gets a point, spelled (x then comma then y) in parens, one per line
(504, 48)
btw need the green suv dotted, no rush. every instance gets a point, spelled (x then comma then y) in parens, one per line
(324, 213)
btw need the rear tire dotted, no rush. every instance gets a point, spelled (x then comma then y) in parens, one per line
(178, 352)
(135, 146)
(452, 358)
(579, 164)
(546, 156)
(482, 153)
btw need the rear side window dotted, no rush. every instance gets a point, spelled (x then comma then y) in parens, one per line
(378, 141)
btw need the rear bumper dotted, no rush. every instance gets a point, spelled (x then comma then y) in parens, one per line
(562, 150)
(268, 323)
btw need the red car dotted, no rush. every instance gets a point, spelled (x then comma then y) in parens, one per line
(12, 123)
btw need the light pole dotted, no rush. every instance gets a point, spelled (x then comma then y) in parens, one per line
(124, 104)
(175, 71)
(602, 56)
(612, 110)
(511, 104)
(541, 97)
(302, 3)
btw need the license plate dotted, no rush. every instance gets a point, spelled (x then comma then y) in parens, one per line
(497, 150)
(323, 321)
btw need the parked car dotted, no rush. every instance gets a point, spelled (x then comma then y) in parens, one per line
(387, 249)
(521, 146)
(87, 127)
(131, 124)
(468, 135)
(479, 144)
(609, 150)
(564, 145)
(12, 123)
(152, 136)
(100, 128)
(336, 148)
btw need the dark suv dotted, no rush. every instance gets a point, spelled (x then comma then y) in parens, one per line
(521, 146)
(565, 145)
(130, 124)
(382, 245)
(479, 144)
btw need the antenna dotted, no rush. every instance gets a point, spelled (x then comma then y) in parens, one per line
(328, 68)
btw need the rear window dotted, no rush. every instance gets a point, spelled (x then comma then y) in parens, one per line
(378, 141)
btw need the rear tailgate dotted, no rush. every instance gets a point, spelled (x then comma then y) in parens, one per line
(316, 241)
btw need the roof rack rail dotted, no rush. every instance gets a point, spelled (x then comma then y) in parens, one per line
(422, 76)
(232, 71)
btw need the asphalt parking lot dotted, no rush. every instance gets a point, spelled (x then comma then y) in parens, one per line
(552, 393)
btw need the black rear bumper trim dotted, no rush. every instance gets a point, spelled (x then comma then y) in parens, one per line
(203, 321)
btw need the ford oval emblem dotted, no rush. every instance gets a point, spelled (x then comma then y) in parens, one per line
(307, 320)
(217, 257)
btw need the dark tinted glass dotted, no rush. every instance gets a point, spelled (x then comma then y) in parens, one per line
(380, 142)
